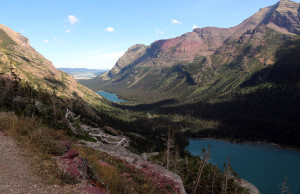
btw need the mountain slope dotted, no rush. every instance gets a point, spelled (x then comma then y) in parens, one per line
(20, 62)
(177, 67)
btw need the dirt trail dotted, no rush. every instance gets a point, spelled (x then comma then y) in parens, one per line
(16, 175)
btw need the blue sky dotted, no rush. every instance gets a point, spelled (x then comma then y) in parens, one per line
(95, 33)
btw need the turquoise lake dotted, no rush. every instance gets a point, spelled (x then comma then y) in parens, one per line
(110, 96)
(263, 165)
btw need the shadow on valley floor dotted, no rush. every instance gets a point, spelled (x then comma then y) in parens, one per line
(147, 107)
(270, 116)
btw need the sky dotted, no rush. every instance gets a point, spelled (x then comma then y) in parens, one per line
(95, 33)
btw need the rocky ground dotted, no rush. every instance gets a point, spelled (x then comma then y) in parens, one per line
(16, 175)
(157, 174)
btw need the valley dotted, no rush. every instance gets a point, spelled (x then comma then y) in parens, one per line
(129, 129)
(83, 73)
(231, 76)
(110, 96)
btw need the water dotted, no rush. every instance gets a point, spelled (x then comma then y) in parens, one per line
(261, 164)
(110, 96)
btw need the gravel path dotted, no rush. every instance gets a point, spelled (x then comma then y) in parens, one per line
(16, 175)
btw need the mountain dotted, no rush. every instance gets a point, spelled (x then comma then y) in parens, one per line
(28, 80)
(83, 73)
(240, 83)
(186, 66)
(20, 61)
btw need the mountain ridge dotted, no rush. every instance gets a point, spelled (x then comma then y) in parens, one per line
(212, 47)
(20, 60)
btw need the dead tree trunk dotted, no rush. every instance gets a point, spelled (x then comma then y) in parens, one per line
(186, 165)
(175, 160)
(170, 144)
(168, 150)
(284, 187)
(213, 179)
(226, 174)
(203, 161)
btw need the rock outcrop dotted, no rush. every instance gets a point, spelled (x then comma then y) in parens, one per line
(252, 188)
(116, 146)
(73, 166)
(132, 54)
(75, 169)
(285, 17)
(157, 174)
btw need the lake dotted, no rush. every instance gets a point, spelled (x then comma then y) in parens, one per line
(110, 96)
(263, 165)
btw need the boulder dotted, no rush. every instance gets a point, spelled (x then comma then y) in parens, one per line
(73, 166)
(92, 189)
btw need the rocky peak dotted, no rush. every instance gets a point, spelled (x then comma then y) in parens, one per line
(131, 55)
(16, 37)
(285, 17)
(18, 58)
(136, 47)
(287, 3)
(24, 54)
(251, 22)
(288, 6)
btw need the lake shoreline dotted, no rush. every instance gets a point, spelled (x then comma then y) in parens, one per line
(246, 141)
(264, 165)
(112, 97)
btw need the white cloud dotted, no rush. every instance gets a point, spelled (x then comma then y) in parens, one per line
(176, 22)
(67, 31)
(158, 31)
(46, 41)
(109, 29)
(195, 26)
(72, 19)
(56, 40)
(23, 31)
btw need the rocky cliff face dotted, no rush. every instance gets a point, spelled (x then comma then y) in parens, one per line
(202, 41)
(285, 18)
(132, 54)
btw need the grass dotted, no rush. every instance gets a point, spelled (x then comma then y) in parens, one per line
(119, 175)
(41, 143)
(42, 146)
(6, 41)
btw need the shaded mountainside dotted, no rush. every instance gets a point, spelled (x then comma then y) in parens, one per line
(266, 107)
(195, 61)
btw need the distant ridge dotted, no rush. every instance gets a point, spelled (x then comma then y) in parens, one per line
(83, 73)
